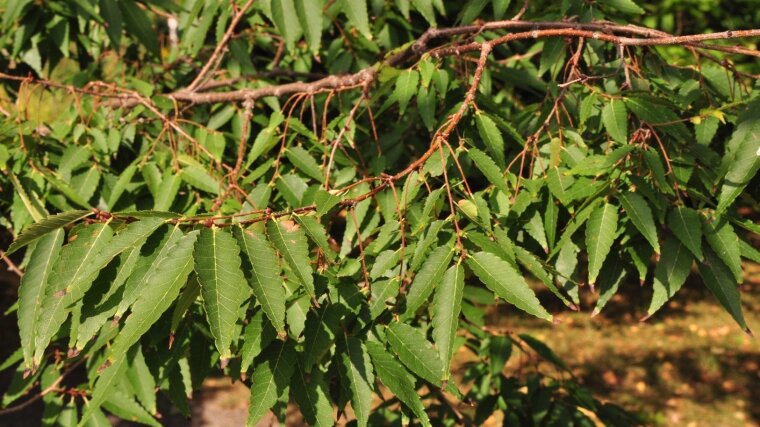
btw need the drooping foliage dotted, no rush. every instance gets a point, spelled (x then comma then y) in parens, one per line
(324, 199)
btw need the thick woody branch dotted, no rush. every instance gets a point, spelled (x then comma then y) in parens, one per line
(327, 83)
(600, 31)
(599, 35)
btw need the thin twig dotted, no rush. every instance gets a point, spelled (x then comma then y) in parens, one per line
(216, 55)
(51, 388)
(11, 265)
(343, 130)
(247, 116)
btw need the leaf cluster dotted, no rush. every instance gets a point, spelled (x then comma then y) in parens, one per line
(339, 248)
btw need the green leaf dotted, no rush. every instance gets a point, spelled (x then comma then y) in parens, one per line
(125, 407)
(500, 8)
(427, 102)
(425, 7)
(625, 6)
(640, 252)
(382, 291)
(288, 238)
(292, 188)
(447, 304)
(719, 280)
(223, 286)
(310, 17)
(686, 225)
(31, 290)
(611, 277)
(489, 169)
(75, 272)
(535, 228)
(575, 223)
(748, 251)
(637, 210)
(357, 372)
(195, 36)
(21, 383)
(264, 141)
(95, 316)
(430, 274)
(384, 264)
(270, 379)
(670, 274)
(356, 12)
(70, 270)
(658, 112)
(68, 415)
(121, 184)
(316, 232)
(552, 56)
(652, 159)
(305, 162)
(98, 418)
(167, 192)
(615, 119)
(706, 129)
(491, 136)
(286, 21)
(502, 279)
(415, 352)
(551, 216)
(743, 166)
(725, 243)
(141, 380)
(32, 204)
(406, 87)
(106, 381)
(397, 379)
(113, 19)
(85, 183)
(258, 334)
(325, 201)
(44, 226)
(531, 262)
(472, 10)
(320, 331)
(263, 272)
(499, 352)
(139, 25)
(167, 275)
(559, 184)
(313, 397)
(600, 234)
(155, 250)
(296, 315)
(13, 10)
(200, 179)
(187, 298)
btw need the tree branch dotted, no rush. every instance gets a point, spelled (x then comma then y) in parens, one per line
(51, 388)
(216, 55)
(600, 30)
(624, 35)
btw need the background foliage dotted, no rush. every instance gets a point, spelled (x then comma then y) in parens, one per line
(337, 243)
